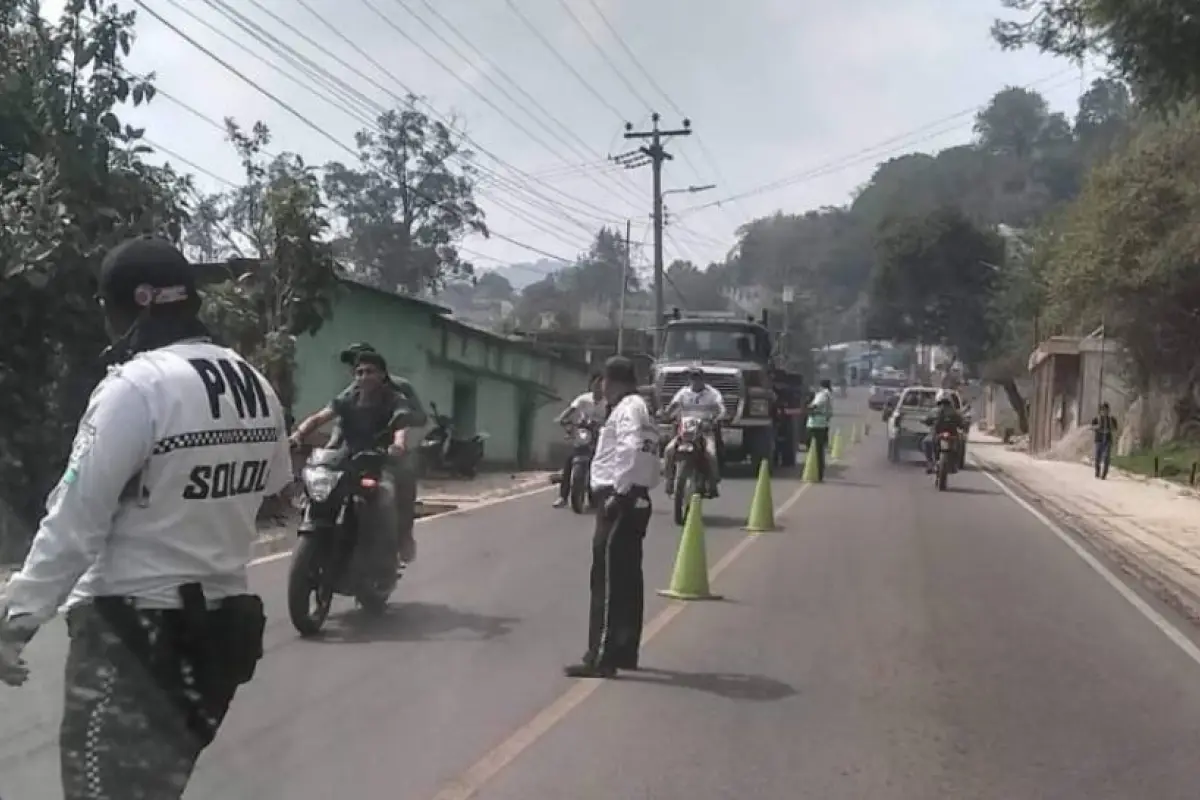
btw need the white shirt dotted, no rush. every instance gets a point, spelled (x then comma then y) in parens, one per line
(706, 403)
(171, 461)
(627, 448)
(586, 407)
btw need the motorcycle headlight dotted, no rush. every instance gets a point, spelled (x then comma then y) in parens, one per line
(583, 436)
(318, 483)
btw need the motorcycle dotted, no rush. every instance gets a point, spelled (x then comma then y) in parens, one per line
(946, 458)
(440, 451)
(690, 475)
(341, 492)
(584, 439)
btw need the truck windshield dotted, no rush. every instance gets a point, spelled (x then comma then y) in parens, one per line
(725, 343)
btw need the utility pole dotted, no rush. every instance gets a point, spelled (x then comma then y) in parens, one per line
(625, 269)
(657, 156)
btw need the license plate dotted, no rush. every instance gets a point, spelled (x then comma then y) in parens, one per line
(684, 448)
(944, 444)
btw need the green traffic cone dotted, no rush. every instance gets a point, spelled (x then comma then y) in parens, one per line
(689, 580)
(762, 506)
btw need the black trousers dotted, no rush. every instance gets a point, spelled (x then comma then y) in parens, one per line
(617, 584)
(136, 719)
(819, 442)
(564, 485)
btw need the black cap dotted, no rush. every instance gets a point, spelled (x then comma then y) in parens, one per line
(620, 369)
(349, 355)
(147, 271)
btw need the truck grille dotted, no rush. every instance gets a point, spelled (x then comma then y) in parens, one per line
(730, 387)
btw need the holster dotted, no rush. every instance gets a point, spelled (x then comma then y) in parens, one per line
(221, 646)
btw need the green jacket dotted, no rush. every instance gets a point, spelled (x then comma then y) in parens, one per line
(402, 387)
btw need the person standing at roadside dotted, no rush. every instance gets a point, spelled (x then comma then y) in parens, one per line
(1104, 430)
(820, 412)
(624, 470)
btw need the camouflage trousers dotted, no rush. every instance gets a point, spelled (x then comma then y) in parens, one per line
(130, 732)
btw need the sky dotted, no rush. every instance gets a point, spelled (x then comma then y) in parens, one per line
(791, 103)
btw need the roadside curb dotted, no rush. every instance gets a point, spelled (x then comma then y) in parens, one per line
(1103, 538)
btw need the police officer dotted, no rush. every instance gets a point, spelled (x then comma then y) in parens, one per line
(147, 537)
(624, 470)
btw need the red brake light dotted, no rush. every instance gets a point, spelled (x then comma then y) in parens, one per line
(368, 483)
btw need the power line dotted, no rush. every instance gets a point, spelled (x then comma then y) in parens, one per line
(325, 134)
(561, 59)
(516, 84)
(604, 55)
(302, 62)
(905, 140)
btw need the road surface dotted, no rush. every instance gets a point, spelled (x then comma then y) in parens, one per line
(891, 642)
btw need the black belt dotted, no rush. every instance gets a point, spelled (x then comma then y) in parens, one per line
(609, 491)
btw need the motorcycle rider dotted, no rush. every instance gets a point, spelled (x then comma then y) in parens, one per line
(945, 418)
(587, 407)
(363, 415)
(404, 469)
(697, 399)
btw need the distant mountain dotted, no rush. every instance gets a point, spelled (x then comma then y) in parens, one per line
(521, 275)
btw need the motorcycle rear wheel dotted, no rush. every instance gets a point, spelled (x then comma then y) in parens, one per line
(943, 469)
(308, 579)
(579, 488)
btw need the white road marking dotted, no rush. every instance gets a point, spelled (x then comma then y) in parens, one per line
(1158, 620)
(479, 774)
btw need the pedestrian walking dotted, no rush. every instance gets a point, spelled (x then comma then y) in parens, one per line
(147, 537)
(624, 470)
(1104, 429)
(820, 412)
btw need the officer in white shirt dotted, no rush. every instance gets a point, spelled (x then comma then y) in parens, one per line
(587, 407)
(624, 470)
(147, 537)
(697, 399)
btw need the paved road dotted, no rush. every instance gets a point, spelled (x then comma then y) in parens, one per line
(892, 642)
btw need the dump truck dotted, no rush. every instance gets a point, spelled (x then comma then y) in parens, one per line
(765, 403)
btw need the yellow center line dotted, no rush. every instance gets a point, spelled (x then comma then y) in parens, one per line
(471, 781)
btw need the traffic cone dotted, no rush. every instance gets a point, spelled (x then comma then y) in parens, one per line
(810, 466)
(835, 446)
(762, 506)
(689, 580)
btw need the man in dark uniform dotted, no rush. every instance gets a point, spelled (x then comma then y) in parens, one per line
(624, 469)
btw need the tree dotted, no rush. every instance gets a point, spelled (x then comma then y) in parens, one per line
(1153, 46)
(407, 208)
(274, 226)
(494, 286)
(1124, 255)
(934, 282)
(695, 289)
(1104, 118)
(597, 278)
(72, 185)
(547, 300)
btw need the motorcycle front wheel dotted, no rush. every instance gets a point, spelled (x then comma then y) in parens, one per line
(685, 486)
(943, 469)
(309, 592)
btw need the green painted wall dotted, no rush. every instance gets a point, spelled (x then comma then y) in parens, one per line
(436, 353)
